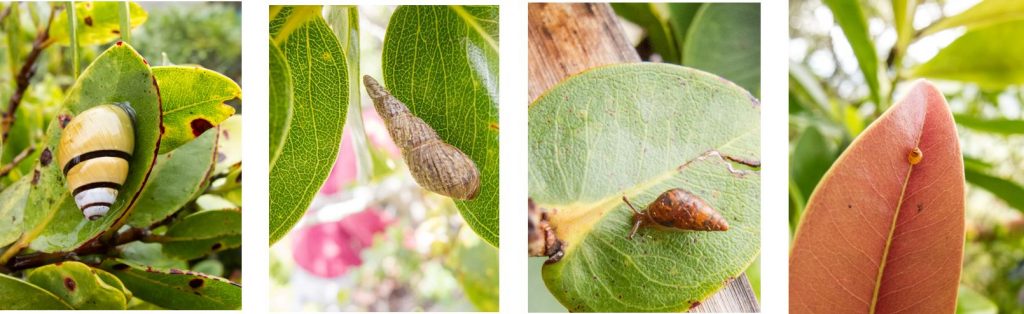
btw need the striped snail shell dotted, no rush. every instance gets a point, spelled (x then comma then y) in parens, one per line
(94, 151)
(678, 209)
(437, 166)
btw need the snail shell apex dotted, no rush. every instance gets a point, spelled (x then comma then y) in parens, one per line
(94, 153)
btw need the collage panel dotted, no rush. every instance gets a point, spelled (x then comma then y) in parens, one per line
(385, 197)
(644, 145)
(905, 185)
(121, 156)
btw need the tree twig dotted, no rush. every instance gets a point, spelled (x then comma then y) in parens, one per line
(25, 75)
(17, 159)
(95, 246)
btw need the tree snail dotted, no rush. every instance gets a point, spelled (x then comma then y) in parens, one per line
(94, 154)
(437, 166)
(679, 209)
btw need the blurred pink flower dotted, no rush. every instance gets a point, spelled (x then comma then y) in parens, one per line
(344, 170)
(330, 249)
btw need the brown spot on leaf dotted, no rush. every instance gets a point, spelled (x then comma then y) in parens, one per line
(196, 283)
(120, 266)
(238, 179)
(88, 21)
(199, 126)
(493, 125)
(70, 284)
(116, 32)
(216, 246)
(35, 177)
(694, 304)
(46, 157)
(120, 43)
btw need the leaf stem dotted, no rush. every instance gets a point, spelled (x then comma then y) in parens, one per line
(126, 25)
(28, 70)
(73, 33)
(92, 247)
(6, 169)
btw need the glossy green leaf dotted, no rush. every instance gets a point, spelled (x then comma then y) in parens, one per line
(969, 301)
(811, 158)
(903, 20)
(320, 76)
(997, 126)
(681, 17)
(474, 264)
(654, 19)
(280, 100)
(193, 101)
(79, 286)
(1009, 191)
(117, 75)
(452, 84)
(209, 266)
(12, 211)
(176, 289)
(151, 255)
(985, 13)
(628, 130)
(850, 17)
(21, 295)
(982, 56)
(725, 39)
(98, 22)
(204, 232)
(178, 177)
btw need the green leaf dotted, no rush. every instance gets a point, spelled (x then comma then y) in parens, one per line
(209, 266)
(20, 295)
(12, 211)
(1010, 192)
(812, 156)
(204, 232)
(681, 17)
(176, 289)
(972, 302)
(320, 75)
(193, 101)
(850, 16)
(79, 285)
(178, 177)
(117, 75)
(985, 13)
(982, 56)
(653, 18)
(475, 265)
(455, 71)
(98, 22)
(725, 39)
(903, 19)
(151, 255)
(1000, 126)
(627, 130)
(280, 101)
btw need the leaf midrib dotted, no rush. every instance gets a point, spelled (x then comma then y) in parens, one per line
(471, 21)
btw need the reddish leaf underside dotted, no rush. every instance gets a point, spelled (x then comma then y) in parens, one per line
(880, 235)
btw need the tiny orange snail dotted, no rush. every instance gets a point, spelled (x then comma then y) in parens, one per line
(678, 209)
(94, 153)
(915, 156)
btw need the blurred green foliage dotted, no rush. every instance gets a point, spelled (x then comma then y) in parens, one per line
(206, 33)
(835, 92)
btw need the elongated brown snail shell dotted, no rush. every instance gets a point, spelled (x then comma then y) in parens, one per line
(679, 209)
(436, 165)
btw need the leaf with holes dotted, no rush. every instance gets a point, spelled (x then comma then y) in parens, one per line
(98, 22)
(455, 71)
(638, 130)
(881, 235)
(117, 75)
(178, 177)
(194, 101)
(177, 289)
(204, 232)
(79, 285)
(21, 295)
(320, 80)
